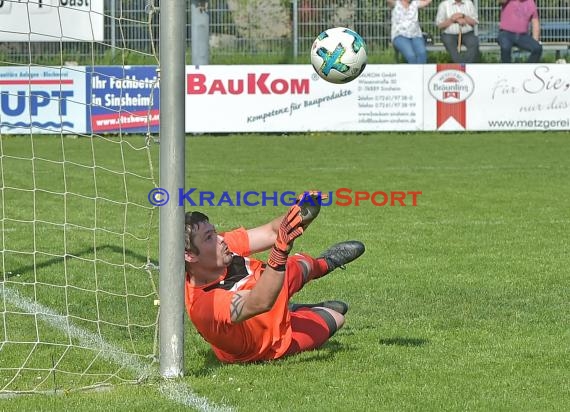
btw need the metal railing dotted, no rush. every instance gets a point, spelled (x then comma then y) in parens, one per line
(254, 30)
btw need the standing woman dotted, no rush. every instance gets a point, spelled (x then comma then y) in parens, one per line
(407, 36)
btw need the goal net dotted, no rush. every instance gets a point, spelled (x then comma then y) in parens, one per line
(79, 238)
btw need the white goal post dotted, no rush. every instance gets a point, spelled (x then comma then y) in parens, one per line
(172, 166)
(79, 240)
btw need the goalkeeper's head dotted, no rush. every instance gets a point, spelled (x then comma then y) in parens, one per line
(192, 223)
(204, 250)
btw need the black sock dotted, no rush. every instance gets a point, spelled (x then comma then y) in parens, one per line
(296, 306)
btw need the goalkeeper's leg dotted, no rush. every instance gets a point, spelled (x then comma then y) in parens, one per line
(302, 268)
(312, 327)
(336, 305)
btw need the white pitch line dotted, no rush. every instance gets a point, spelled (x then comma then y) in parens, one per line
(179, 392)
(173, 390)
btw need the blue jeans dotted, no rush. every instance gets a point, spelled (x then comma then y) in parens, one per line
(413, 49)
(507, 40)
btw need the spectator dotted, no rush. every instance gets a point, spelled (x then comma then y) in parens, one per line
(513, 29)
(407, 36)
(457, 19)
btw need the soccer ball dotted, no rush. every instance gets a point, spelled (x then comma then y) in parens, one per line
(339, 55)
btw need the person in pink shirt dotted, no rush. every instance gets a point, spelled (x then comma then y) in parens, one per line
(513, 29)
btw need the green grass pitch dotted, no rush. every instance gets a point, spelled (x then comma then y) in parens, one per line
(460, 303)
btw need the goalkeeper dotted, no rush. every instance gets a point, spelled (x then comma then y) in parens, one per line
(240, 305)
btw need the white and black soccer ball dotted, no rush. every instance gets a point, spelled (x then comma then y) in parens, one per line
(339, 55)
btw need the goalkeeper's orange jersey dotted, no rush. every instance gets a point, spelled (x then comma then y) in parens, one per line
(262, 337)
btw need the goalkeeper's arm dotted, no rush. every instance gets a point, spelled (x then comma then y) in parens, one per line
(248, 303)
(263, 237)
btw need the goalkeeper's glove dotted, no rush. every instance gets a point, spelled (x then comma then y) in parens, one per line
(289, 230)
(310, 204)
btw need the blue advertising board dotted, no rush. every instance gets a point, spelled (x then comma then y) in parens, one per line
(123, 99)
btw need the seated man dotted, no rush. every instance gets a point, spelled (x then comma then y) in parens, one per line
(513, 29)
(457, 19)
(240, 305)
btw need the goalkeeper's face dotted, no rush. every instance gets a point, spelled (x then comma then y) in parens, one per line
(213, 251)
